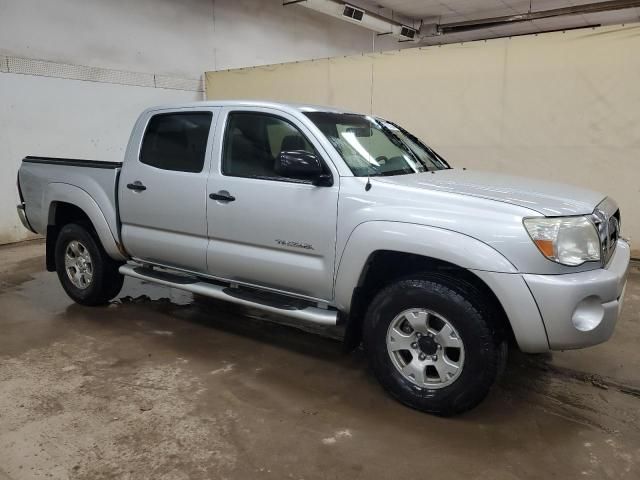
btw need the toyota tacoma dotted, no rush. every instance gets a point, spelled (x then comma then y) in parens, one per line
(337, 218)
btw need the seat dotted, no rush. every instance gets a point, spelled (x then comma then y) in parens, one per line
(248, 156)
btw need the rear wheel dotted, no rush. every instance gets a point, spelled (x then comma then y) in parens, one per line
(433, 345)
(86, 272)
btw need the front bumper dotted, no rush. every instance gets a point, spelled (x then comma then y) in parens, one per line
(581, 309)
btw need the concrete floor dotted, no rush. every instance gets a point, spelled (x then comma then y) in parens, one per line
(159, 385)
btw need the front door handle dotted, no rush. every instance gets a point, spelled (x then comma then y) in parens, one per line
(136, 186)
(223, 196)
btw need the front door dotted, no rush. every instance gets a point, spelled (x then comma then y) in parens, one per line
(162, 189)
(265, 229)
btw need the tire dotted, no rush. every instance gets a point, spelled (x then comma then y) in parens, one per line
(453, 328)
(102, 282)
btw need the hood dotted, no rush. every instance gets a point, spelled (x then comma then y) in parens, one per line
(548, 198)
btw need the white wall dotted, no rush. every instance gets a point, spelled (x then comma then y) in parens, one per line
(175, 37)
(179, 38)
(69, 118)
(249, 33)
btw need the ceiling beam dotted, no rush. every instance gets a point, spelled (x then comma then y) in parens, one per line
(598, 7)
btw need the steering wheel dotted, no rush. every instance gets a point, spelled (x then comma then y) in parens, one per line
(382, 159)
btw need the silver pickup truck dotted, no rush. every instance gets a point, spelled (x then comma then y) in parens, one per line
(336, 218)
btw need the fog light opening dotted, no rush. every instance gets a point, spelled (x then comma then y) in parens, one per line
(588, 314)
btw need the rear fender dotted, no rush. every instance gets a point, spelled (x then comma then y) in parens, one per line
(63, 192)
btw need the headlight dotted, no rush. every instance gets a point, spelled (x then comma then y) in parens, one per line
(566, 240)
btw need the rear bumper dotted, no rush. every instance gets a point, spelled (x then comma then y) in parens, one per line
(581, 309)
(23, 218)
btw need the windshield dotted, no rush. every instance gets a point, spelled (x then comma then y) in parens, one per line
(371, 146)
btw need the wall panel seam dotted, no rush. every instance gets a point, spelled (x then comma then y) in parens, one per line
(43, 68)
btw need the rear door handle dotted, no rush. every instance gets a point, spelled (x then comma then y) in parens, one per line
(222, 196)
(136, 186)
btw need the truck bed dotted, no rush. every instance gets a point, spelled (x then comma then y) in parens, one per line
(44, 180)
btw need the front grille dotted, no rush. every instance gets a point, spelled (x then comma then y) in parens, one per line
(606, 218)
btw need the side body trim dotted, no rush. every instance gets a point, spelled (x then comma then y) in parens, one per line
(72, 162)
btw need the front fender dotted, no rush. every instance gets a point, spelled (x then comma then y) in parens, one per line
(447, 245)
(64, 192)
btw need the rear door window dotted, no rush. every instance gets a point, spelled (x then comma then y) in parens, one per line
(176, 141)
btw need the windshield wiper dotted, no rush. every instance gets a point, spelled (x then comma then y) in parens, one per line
(416, 140)
(392, 172)
(397, 141)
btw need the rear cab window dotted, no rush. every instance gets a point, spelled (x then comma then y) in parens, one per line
(176, 141)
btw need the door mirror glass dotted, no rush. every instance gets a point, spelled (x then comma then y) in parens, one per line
(298, 164)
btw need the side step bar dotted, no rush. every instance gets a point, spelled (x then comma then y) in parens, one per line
(294, 310)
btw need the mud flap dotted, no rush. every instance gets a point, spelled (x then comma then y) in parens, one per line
(50, 248)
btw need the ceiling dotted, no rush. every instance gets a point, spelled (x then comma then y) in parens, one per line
(448, 11)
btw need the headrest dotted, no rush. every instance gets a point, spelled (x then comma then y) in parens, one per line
(292, 142)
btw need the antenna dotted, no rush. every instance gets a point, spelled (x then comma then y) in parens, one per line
(367, 187)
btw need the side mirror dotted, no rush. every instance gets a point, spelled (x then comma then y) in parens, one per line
(302, 165)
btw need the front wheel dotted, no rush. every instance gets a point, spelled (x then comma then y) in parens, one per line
(433, 345)
(86, 272)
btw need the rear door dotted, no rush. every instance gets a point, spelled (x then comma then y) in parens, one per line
(272, 231)
(163, 188)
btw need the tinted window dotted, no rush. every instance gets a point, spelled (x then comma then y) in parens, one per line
(253, 142)
(176, 141)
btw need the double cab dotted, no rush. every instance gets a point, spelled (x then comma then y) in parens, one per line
(338, 218)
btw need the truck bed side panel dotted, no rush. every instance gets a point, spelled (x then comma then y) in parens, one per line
(42, 178)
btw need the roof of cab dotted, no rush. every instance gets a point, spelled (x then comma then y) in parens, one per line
(299, 107)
